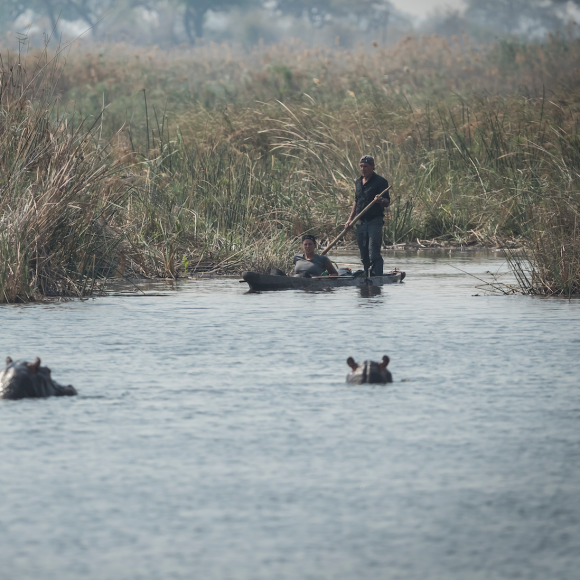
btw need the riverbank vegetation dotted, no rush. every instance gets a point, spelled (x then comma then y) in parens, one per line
(118, 162)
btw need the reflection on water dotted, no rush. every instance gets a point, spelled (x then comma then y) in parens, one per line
(214, 435)
(370, 291)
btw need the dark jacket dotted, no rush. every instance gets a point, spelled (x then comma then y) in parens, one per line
(366, 193)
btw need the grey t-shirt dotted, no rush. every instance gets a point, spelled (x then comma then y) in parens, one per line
(314, 267)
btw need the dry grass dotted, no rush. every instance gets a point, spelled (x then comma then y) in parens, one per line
(226, 157)
(57, 190)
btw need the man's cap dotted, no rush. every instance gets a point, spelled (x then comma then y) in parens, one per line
(367, 159)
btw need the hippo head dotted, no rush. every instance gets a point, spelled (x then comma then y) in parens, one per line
(368, 372)
(22, 379)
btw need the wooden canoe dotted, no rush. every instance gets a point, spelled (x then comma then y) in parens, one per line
(262, 282)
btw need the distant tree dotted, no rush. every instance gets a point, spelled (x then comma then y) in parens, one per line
(12, 9)
(196, 12)
(92, 11)
(564, 2)
(515, 16)
(447, 22)
(320, 12)
(89, 11)
(564, 5)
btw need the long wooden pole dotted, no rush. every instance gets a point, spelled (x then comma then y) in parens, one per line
(354, 220)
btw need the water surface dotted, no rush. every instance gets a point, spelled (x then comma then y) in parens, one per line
(214, 436)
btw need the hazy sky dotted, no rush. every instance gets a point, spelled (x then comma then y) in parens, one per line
(421, 8)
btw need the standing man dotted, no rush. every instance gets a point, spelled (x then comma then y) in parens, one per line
(369, 233)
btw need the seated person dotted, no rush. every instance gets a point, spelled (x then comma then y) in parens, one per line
(310, 264)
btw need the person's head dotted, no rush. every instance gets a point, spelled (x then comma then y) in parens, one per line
(308, 244)
(367, 166)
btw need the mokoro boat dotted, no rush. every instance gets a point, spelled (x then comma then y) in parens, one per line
(261, 282)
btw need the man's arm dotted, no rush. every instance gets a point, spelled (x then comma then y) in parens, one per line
(384, 199)
(331, 269)
(351, 216)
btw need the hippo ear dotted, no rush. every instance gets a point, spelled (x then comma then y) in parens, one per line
(350, 362)
(34, 366)
(385, 362)
(8, 361)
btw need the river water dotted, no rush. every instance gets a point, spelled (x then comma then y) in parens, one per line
(214, 436)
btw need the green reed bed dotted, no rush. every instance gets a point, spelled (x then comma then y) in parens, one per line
(481, 146)
(465, 170)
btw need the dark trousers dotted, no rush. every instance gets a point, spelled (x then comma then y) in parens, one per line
(369, 236)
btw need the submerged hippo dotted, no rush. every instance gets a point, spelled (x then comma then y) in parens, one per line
(21, 379)
(368, 372)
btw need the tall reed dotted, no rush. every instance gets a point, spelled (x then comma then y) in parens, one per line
(221, 160)
(57, 190)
